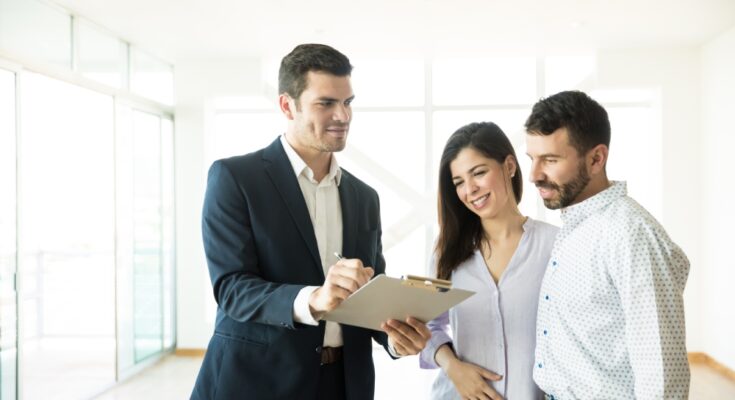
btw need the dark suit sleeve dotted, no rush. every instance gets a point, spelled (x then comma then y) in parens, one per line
(239, 289)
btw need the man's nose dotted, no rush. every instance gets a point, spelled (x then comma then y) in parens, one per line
(342, 113)
(535, 174)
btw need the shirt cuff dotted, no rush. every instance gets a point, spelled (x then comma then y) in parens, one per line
(301, 311)
(392, 351)
(426, 357)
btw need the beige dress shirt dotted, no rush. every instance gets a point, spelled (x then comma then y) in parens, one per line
(325, 211)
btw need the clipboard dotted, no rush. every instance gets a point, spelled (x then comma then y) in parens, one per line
(385, 298)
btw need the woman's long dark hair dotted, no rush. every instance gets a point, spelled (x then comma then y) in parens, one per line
(460, 230)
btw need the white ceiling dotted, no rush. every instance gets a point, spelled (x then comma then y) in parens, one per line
(179, 30)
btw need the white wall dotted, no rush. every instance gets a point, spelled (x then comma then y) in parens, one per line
(197, 83)
(718, 191)
(675, 74)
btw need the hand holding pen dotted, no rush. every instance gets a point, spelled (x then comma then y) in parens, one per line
(343, 278)
(404, 337)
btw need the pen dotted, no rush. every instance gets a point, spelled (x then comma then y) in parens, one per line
(338, 255)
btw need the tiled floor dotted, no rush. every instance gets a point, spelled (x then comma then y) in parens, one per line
(66, 368)
(708, 384)
(170, 379)
(173, 377)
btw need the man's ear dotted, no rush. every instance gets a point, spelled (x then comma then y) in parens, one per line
(597, 158)
(287, 106)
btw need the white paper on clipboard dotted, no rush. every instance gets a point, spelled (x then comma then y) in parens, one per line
(385, 298)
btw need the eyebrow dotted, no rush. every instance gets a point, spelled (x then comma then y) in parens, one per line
(454, 178)
(547, 155)
(324, 98)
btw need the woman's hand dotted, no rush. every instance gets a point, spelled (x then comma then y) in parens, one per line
(469, 379)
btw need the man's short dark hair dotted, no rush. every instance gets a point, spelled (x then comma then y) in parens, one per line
(309, 57)
(585, 119)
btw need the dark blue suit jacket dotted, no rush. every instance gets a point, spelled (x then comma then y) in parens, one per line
(261, 250)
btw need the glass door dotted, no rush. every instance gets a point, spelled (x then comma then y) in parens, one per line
(8, 242)
(66, 240)
(147, 241)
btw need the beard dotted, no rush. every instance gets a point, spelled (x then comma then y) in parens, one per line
(569, 191)
(331, 144)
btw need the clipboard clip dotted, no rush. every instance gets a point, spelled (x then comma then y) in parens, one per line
(437, 285)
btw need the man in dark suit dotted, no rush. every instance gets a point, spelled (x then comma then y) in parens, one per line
(272, 223)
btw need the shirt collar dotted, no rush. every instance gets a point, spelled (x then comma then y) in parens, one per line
(300, 167)
(573, 215)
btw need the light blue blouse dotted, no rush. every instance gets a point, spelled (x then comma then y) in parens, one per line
(496, 327)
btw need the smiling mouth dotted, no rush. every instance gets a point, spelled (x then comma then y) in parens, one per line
(479, 202)
(546, 192)
(338, 131)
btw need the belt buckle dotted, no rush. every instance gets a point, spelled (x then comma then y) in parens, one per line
(330, 355)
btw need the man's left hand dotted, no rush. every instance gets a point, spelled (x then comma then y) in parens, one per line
(407, 338)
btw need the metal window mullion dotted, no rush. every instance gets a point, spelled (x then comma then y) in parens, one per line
(18, 209)
(116, 245)
(428, 148)
(161, 231)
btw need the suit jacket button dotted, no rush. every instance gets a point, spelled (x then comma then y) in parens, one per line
(318, 349)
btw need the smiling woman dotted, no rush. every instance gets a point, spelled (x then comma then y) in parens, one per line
(486, 245)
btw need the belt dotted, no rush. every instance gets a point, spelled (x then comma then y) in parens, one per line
(331, 355)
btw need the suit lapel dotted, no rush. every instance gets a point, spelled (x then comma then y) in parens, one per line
(348, 203)
(279, 170)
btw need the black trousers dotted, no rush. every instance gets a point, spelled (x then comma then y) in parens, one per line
(332, 381)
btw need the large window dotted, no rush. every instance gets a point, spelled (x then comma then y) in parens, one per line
(484, 81)
(398, 174)
(402, 121)
(39, 32)
(87, 287)
(147, 295)
(145, 236)
(399, 128)
(97, 239)
(247, 131)
(389, 82)
(102, 57)
(151, 77)
(67, 240)
(36, 31)
(145, 242)
(404, 111)
(635, 147)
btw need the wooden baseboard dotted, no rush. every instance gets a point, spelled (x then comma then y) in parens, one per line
(190, 352)
(703, 358)
(698, 358)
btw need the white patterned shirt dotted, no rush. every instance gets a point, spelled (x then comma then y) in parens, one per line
(611, 315)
